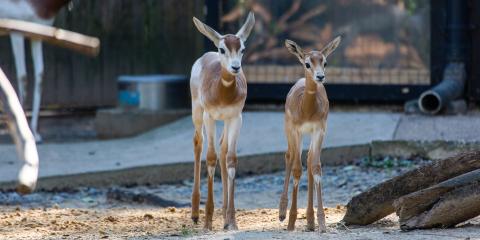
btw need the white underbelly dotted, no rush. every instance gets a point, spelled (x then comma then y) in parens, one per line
(224, 113)
(309, 127)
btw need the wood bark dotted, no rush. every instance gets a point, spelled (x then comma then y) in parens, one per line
(75, 41)
(443, 205)
(377, 202)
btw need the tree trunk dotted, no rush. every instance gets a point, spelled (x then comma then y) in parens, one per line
(377, 202)
(450, 209)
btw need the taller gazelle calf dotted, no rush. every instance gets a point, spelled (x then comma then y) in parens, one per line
(306, 111)
(219, 89)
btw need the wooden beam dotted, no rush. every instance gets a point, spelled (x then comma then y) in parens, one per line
(66, 39)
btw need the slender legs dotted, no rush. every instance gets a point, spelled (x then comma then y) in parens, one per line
(316, 170)
(197, 117)
(228, 164)
(209, 124)
(37, 55)
(22, 136)
(293, 166)
(233, 126)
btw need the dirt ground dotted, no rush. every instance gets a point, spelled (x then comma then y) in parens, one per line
(159, 223)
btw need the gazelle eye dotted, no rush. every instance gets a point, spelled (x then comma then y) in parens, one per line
(325, 64)
(242, 51)
(307, 65)
(222, 51)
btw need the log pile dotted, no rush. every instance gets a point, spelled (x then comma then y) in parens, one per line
(441, 194)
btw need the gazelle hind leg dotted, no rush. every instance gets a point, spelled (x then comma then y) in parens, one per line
(209, 124)
(37, 54)
(282, 212)
(310, 212)
(18, 47)
(296, 173)
(197, 117)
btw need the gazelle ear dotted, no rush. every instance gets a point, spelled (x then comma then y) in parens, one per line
(327, 50)
(247, 27)
(295, 49)
(211, 34)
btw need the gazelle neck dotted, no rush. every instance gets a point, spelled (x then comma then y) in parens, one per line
(309, 96)
(227, 85)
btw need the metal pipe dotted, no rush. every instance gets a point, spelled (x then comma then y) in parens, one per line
(453, 84)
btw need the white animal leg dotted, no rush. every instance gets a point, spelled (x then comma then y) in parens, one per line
(21, 134)
(234, 126)
(18, 48)
(37, 54)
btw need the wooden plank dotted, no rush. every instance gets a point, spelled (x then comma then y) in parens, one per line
(67, 39)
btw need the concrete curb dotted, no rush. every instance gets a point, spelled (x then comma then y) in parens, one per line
(251, 164)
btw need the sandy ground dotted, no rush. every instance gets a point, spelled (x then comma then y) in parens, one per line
(151, 223)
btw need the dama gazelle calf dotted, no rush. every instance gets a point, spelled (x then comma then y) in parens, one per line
(219, 89)
(21, 134)
(37, 11)
(306, 111)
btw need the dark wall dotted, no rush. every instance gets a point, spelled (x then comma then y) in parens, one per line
(137, 37)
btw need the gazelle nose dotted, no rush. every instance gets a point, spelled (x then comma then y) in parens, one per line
(235, 68)
(320, 78)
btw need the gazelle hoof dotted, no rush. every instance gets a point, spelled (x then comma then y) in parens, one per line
(230, 227)
(310, 227)
(195, 219)
(208, 226)
(322, 229)
(23, 189)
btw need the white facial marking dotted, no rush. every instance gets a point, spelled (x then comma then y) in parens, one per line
(231, 60)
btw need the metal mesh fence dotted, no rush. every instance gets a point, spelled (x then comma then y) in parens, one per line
(384, 41)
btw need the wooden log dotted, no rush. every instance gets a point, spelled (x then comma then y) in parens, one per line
(377, 202)
(450, 209)
(75, 41)
(417, 202)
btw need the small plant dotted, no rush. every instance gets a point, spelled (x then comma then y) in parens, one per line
(186, 231)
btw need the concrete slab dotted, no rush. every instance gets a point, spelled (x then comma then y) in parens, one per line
(262, 132)
(447, 128)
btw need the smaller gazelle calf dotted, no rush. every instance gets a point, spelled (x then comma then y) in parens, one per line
(306, 111)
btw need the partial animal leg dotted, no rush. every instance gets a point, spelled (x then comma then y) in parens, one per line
(223, 167)
(209, 124)
(37, 54)
(288, 169)
(234, 126)
(18, 48)
(297, 173)
(316, 149)
(197, 117)
(22, 136)
(310, 212)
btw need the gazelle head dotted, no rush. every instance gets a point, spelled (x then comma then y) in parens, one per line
(230, 47)
(314, 62)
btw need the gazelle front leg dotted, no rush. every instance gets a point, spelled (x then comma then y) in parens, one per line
(310, 212)
(18, 47)
(37, 54)
(197, 117)
(234, 126)
(291, 140)
(316, 169)
(224, 173)
(210, 128)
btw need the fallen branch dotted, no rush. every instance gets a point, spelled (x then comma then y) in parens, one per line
(78, 42)
(377, 202)
(443, 205)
